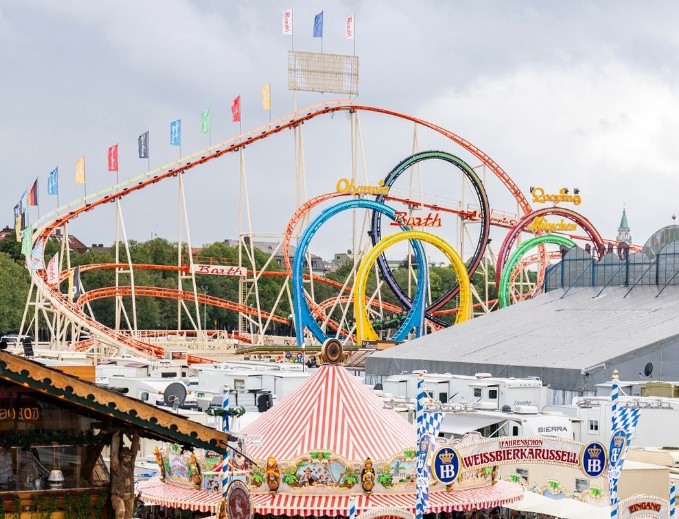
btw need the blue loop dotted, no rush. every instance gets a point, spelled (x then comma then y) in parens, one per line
(304, 318)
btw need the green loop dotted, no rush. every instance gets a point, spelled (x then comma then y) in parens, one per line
(503, 289)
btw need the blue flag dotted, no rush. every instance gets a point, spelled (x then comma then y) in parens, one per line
(53, 182)
(176, 132)
(143, 143)
(318, 25)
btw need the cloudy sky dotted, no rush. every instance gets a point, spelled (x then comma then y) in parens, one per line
(559, 93)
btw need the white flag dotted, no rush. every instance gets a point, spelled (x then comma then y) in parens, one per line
(287, 22)
(349, 29)
(53, 270)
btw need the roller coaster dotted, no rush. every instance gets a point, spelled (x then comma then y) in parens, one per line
(412, 198)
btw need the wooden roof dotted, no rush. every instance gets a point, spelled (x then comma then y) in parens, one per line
(149, 421)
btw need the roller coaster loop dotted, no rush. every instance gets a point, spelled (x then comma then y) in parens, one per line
(303, 317)
(503, 289)
(364, 330)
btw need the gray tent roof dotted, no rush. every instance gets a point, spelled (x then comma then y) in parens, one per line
(558, 336)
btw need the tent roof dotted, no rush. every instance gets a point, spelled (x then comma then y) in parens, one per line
(592, 326)
(331, 411)
(149, 420)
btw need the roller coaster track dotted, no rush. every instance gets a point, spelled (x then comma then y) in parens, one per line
(173, 293)
(48, 224)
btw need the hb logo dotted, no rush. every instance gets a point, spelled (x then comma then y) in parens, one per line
(593, 466)
(446, 472)
(593, 459)
(446, 464)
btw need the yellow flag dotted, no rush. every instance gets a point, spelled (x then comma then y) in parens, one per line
(266, 96)
(70, 286)
(80, 170)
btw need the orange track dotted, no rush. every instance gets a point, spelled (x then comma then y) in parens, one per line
(229, 147)
(172, 293)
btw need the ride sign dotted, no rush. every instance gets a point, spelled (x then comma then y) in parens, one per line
(594, 459)
(446, 465)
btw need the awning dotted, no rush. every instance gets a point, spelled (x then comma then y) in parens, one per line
(565, 508)
(458, 423)
(500, 494)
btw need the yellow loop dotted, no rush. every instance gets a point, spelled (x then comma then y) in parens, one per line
(364, 329)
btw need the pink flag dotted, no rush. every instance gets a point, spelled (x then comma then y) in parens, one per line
(235, 110)
(287, 22)
(53, 270)
(113, 158)
(349, 29)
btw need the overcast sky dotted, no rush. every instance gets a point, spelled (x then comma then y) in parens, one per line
(559, 93)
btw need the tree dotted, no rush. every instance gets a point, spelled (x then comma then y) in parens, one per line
(14, 283)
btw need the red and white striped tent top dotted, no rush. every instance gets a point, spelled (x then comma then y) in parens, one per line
(331, 411)
(335, 412)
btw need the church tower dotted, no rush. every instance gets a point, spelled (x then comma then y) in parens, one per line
(623, 229)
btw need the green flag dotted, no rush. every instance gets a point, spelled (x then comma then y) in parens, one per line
(205, 120)
(27, 240)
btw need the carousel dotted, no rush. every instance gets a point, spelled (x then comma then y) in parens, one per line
(331, 448)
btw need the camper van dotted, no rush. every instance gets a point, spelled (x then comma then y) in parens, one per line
(490, 405)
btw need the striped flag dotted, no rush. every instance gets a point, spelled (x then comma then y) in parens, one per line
(37, 257)
(32, 197)
(673, 501)
(624, 421)
(352, 508)
(225, 428)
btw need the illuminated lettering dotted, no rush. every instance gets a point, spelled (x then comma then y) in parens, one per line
(220, 270)
(23, 414)
(345, 185)
(540, 197)
(540, 224)
(431, 220)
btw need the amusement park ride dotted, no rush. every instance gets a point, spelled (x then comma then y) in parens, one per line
(420, 207)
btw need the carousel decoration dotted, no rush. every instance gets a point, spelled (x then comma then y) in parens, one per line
(272, 474)
(368, 477)
(333, 442)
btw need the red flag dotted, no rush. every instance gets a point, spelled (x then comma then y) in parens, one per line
(113, 158)
(235, 110)
(33, 194)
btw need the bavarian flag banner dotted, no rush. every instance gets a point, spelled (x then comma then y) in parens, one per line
(623, 423)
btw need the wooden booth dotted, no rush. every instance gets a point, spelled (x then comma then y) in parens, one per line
(53, 428)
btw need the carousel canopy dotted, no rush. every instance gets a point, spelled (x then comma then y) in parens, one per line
(331, 411)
